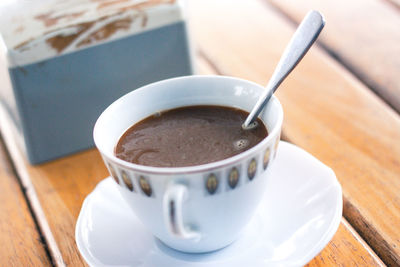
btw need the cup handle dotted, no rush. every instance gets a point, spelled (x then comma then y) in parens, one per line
(174, 197)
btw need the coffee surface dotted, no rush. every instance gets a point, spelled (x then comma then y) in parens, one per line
(188, 136)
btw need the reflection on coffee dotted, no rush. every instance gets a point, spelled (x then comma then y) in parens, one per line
(188, 136)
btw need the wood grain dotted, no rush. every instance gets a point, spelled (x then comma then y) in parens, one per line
(346, 244)
(364, 35)
(62, 185)
(19, 237)
(239, 43)
(328, 111)
(21, 165)
(346, 248)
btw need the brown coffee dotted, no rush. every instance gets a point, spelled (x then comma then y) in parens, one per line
(188, 136)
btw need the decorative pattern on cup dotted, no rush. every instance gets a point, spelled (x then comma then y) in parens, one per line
(212, 183)
(233, 178)
(266, 158)
(127, 181)
(113, 173)
(252, 169)
(145, 186)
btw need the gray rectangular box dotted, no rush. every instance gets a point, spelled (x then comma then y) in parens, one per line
(65, 64)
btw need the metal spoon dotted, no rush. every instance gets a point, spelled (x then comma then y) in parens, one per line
(303, 38)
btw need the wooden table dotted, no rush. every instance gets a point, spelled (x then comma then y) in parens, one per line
(341, 104)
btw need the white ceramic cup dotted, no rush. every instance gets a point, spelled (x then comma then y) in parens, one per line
(199, 208)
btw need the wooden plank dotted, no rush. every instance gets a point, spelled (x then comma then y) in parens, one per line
(19, 236)
(346, 249)
(364, 35)
(62, 185)
(22, 167)
(327, 112)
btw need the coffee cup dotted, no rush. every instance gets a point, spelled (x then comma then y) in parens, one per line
(197, 208)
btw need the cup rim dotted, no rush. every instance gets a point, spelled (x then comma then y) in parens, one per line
(187, 169)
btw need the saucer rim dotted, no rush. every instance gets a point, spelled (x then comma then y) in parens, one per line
(322, 243)
(84, 252)
(337, 218)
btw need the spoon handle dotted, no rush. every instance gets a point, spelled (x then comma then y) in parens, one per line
(303, 38)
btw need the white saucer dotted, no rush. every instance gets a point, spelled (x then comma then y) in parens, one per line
(299, 215)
